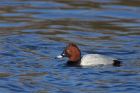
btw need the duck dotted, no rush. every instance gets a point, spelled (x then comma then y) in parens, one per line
(73, 53)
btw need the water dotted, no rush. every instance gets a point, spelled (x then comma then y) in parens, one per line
(33, 32)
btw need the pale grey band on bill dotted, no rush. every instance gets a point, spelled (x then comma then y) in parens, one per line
(59, 56)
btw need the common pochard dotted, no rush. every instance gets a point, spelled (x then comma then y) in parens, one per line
(74, 55)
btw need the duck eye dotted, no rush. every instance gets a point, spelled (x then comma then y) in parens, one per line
(68, 51)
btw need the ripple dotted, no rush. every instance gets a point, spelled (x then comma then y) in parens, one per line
(4, 74)
(34, 74)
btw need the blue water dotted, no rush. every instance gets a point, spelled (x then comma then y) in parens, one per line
(33, 32)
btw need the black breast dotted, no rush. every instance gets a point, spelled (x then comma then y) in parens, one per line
(73, 64)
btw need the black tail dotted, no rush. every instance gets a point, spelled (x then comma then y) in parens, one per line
(117, 63)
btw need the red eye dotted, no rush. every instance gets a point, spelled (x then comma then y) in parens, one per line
(68, 50)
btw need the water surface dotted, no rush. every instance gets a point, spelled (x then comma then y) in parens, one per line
(33, 32)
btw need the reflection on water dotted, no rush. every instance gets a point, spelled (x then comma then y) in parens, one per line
(33, 32)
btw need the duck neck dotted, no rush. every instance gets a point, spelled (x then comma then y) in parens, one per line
(74, 61)
(75, 58)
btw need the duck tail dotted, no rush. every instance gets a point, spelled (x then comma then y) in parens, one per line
(117, 63)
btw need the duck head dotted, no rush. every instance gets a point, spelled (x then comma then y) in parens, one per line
(72, 52)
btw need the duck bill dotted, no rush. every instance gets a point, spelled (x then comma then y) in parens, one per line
(61, 56)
